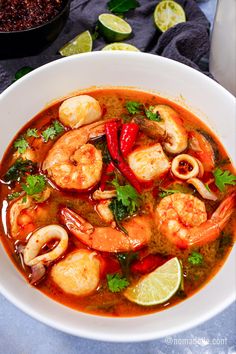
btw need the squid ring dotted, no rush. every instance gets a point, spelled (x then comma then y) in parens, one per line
(185, 166)
(39, 238)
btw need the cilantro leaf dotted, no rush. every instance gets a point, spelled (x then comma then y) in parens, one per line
(13, 195)
(52, 131)
(121, 6)
(102, 145)
(34, 184)
(32, 132)
(19, 169)
(165, 192)
(195, 258)
(155, 116)
(222, 178)
(116, 283)
(127, 195)
(21, 145)
(59, 128)
(133, 107)
(120, 212)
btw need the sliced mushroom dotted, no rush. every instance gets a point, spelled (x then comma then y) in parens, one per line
(99, 194)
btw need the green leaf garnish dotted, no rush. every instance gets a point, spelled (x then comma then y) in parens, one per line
(222, 178)
(127, 195)
(102, 145)
(116, 283)
(125, 260)
(121, 6)
(195, 258)
(165, 192)
(32, 133)
(151, 115)
(133, 107)
(13, 195)
(19, 169)
(52, 131)
(21, 145)
(34, 184)
(22, 72)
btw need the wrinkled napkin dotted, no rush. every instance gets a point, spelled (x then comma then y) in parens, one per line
(186, 42)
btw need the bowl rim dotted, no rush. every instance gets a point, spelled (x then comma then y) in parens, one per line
(30, 29)
(112, 337)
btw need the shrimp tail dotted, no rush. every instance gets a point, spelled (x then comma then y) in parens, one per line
(75, 223)
(210, 230)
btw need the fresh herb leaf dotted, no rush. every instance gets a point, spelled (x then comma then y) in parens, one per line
(127, 195)
(21, 145)
(102, 145)
(121, 6)
(165, 192)
(59, 128)
(222, 178)
(32, 132)
(195, 258)
(116, 283)
(13, 195)
(19, 169)
(49, 133)
(22, 72)
(133, 107)
(155, 116)
(125, 260)
(24, 199)
(52, 131)
(120, 212)
(207, 187)
(34, 184)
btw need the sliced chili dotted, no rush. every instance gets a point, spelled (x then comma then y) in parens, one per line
(129, 132)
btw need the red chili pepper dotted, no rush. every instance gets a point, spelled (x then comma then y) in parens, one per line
(147, 264)
(105, 177)
(111, 129)
(128, 135)
(108, 264)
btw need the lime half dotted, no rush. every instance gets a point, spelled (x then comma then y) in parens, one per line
(121, 46)
(80, 44)
(113, 28)
(158, 286)
(167, 14)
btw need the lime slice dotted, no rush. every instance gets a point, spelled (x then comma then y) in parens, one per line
(113, 28)
(157, 287)
(121, 46)
(167, 14)
(80, 44)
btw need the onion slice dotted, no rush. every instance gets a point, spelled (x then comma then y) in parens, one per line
(201, 188)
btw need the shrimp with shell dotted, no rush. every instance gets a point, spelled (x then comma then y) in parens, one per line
(109, 239)
(182, 218)
(74, 163)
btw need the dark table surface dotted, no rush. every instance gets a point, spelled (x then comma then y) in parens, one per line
(20, 334)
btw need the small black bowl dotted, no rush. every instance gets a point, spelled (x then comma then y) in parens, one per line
(33, 40)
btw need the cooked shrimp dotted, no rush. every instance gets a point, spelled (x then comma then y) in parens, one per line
(149, 163)
(72, 162)
(21, 210)
(37, 240)
(79, 110)
(108, 239)
(182, 218)
(78, 273)
(170, 129)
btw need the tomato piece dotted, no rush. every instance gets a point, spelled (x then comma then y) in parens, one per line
(148, 263)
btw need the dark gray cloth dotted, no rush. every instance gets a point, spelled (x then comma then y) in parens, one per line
(186, 42)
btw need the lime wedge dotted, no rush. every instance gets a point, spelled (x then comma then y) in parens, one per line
(121, 46)
(158, 286)
(113, 28)
(80, 44)
(167, 14)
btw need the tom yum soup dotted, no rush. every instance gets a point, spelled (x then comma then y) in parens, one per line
(117, 202)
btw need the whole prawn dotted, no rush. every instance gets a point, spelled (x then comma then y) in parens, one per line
(183, 219)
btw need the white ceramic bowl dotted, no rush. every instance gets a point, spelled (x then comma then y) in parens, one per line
(210, 101)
